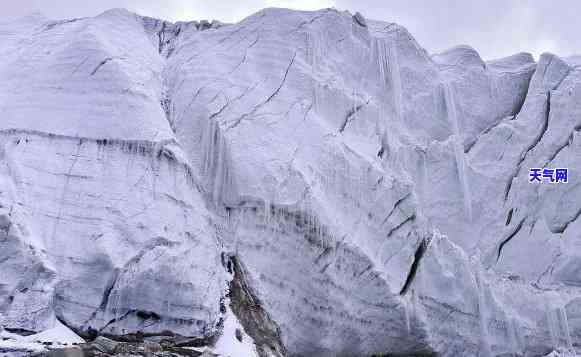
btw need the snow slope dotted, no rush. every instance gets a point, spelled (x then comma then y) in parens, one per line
(376, 195)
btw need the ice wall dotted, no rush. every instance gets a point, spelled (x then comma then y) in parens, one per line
(376, 196)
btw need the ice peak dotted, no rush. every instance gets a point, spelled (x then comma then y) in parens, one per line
(521, 59)
(117, 12)
(459, 55)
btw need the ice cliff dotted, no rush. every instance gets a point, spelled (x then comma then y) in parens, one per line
(318, 175)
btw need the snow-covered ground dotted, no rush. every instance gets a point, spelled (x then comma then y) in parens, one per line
(234, 342)
(55, 337)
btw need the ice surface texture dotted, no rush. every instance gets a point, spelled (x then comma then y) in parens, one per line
(377, 196)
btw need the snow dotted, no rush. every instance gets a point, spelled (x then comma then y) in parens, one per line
(563, 352)
(228, 345)
(14, 346)
(58, 336)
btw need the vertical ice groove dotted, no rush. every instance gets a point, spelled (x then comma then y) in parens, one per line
(312, 61)
(395, 77)
(415, 297)
(379, 49)
(566, 331)
(483, 314)
(218, 182)
(424, 181)
(379, 53)
(458, 150)
(406, 311)
(552, 326)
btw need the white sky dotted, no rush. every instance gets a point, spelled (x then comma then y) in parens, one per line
(495, 28)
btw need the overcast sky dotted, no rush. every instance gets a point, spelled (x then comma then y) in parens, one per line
(495, 28)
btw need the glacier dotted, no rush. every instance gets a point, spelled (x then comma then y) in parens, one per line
(314, 180)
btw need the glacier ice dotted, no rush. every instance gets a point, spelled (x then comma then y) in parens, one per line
(373, 198)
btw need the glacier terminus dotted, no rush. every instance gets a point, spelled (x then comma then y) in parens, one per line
(299, 183)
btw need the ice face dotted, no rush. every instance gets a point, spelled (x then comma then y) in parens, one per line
(377, 196)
